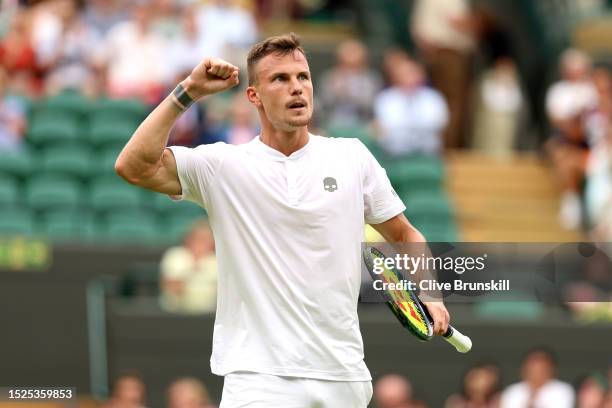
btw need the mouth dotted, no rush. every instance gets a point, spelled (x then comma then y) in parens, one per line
(296, 105)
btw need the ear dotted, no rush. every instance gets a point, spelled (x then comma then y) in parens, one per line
(253, 96)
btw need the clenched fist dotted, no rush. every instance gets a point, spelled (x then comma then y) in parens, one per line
(212, 75)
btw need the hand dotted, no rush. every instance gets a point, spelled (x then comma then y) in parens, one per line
(440, 316)
(211, 76)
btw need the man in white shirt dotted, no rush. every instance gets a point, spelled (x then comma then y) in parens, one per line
(539, 388)
(410, 115)
(287, 211)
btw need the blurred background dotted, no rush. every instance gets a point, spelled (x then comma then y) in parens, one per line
(491, 117)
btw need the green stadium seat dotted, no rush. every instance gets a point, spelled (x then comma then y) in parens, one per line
(113, 110)
(166, 206)
(415, 174)
(132, 227)
(359, 132)
(9, 192)
(62, 225)
(110, 194)
(439, 231)
(16, 221)
(426, 208)
(104, 133)
(72, 160)
(68, 102)
(46, 193)
(106, 164)
(16, 163)
(509, 310)
(48, 129)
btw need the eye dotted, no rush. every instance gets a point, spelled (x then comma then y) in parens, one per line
(303, 77)
(278, 78)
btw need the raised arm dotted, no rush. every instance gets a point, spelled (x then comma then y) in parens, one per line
(145, 161)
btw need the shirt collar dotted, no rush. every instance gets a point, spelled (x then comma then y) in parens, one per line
(260, 148)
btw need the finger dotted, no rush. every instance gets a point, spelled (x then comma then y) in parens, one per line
(226, 71)
(214, 69)
(234, 78)
(437, 324)
(444, 321)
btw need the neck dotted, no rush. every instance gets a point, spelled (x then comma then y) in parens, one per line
(285, 142)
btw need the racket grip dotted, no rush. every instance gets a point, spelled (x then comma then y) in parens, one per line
(461, 342)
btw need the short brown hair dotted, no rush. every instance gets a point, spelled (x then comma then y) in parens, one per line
(279, 44)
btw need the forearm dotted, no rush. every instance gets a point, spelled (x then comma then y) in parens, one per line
(141, 155)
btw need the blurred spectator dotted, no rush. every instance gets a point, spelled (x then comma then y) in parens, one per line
(187, 49)
(241, 126)
(166, 17)
(444, 32)
(347, 91)
(184, 52)
(188, 393)
(128, 391)
(189, 273)
(134, 55)
(71, 52)
(591, 392)
(480, 389)
(568, 102)
(226, 29)
(102, 15)
(539, 388)
(498, 109)
(409, 115)
(393, 391)
(598, 190)
(12, 117)
(17, 54)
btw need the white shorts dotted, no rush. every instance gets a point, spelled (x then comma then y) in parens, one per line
(256, 390)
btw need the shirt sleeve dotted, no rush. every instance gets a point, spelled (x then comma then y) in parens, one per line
(380, 200)
(197, 170)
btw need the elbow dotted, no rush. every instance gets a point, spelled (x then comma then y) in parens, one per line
(123, 170)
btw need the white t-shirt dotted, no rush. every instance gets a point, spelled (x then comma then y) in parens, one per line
(554, 394)
(566, 99)
(287, 232)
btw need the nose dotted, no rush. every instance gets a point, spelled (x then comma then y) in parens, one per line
(296, 87)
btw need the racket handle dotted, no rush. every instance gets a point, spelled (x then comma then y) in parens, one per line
(461, 342)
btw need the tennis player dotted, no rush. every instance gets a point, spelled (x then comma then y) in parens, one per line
(287, 211)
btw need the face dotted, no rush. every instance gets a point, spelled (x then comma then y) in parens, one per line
(283, 90)
(407, 75)
(130, 390)
(184, 396)
(352, 55)
(538, 369)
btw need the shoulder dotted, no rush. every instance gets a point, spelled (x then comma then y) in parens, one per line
(219, 147)
(557, 386)
(558, 88)
(174, 255)
(387, 93)
(207, 152)
(432, 94)
(337, 144)
(513, 390)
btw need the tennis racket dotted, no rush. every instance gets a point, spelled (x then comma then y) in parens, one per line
(407, 306)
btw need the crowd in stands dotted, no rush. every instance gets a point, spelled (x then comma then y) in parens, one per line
(129, 391)
(481, 387)
(409, 104)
